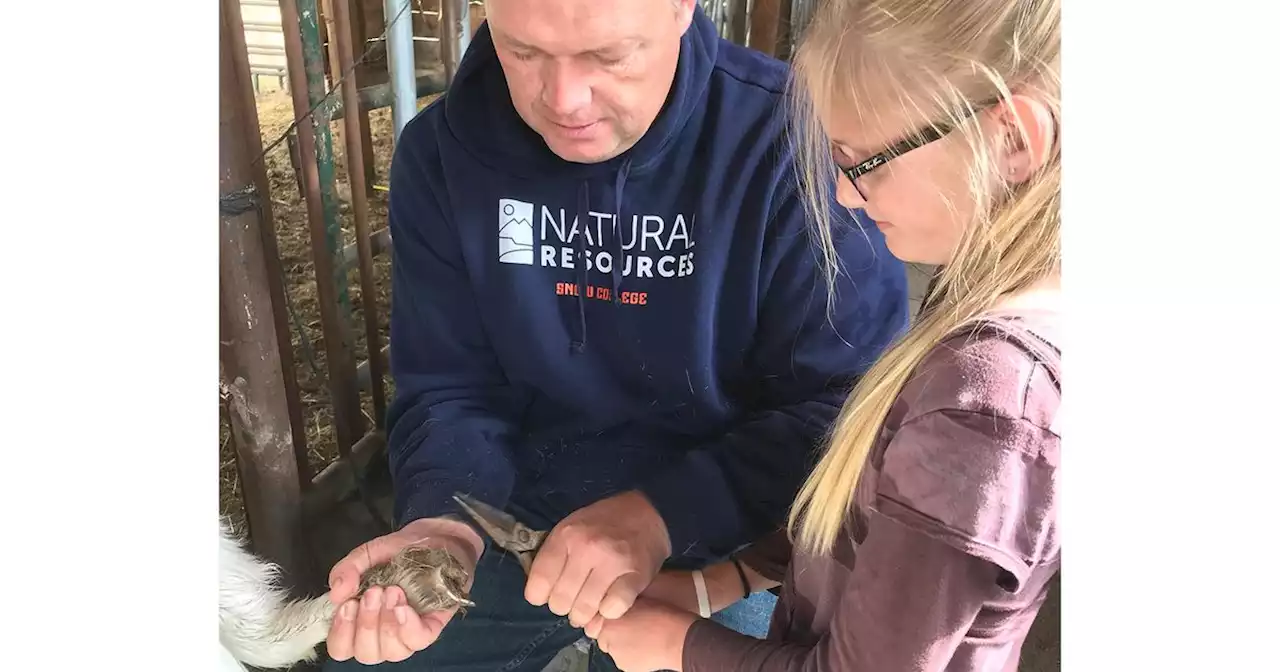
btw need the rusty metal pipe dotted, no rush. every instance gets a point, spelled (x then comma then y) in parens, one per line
(344, 392)
(275, 275)
(359, 200)
(251, 368)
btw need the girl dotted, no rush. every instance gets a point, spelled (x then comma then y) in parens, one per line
(927, 534)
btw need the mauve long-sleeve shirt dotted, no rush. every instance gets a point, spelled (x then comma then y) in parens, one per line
(953, 537)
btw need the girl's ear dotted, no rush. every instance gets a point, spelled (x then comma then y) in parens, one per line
(1028, 132)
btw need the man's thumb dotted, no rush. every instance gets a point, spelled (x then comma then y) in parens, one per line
(622, 595)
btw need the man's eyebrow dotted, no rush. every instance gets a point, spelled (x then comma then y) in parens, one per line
(620, 45)
(624, 43)
(513, 42)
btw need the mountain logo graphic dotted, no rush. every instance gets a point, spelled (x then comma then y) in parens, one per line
(515, 232)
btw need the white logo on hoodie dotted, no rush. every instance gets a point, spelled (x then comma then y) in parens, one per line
(649, 245)
(515, 232)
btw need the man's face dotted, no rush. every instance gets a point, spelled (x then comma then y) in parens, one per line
(590, 76)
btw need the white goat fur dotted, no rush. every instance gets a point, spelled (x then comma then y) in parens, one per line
(257, 622)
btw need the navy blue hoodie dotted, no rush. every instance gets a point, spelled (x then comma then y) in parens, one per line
(544, 356)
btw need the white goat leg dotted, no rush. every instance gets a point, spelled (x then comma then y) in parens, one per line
(257, 623)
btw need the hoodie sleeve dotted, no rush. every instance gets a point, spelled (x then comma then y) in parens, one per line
(738, 488)
(449, 425)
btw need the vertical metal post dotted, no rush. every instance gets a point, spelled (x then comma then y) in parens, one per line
(801, 12)
(738, 14)
(344, 58)
(455, 34)
(360, 40)
(400, 63)
(769, 19)
(714, 10)
(464, 28)
(315, 148)
(251, 369)
(313, 59)
(275, 276)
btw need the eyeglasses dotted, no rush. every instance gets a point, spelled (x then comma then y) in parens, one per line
(916, 140)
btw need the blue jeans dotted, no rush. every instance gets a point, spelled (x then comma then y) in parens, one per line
(505, 633)
(750, 616)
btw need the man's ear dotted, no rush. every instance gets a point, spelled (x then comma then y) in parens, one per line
(1028, 133)
(684, 13)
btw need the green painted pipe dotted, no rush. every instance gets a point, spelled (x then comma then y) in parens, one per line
(313, 61)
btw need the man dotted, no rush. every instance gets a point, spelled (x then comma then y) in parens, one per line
(607, 317)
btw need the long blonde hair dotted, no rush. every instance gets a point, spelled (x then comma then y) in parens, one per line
(934, 59)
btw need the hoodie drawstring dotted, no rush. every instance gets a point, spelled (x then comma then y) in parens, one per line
(579, 343)
(619, 184)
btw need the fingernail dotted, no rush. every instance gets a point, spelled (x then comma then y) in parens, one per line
(336, 584)
(372, 599)
(348, 611)
(402, 615)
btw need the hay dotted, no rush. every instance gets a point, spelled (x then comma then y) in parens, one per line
(432, 579)
(275, 113)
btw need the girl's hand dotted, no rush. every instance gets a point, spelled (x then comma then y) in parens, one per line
(650, 636)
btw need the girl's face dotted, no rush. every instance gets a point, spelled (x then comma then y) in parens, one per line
(916, 185)
(920, 198)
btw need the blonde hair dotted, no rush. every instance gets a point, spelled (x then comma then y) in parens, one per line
(933, 60)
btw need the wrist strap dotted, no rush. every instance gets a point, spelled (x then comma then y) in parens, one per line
(742, 574)
(700, 585)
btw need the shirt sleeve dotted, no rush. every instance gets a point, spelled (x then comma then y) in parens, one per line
(768, 556)
(983, 483)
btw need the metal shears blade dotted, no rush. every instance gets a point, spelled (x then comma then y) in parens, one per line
(508, 533)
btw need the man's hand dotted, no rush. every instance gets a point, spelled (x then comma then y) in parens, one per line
(649, 637)
(599, 558)
(382, 626)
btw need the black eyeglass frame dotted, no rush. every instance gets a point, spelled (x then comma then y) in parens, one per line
(916, 140)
